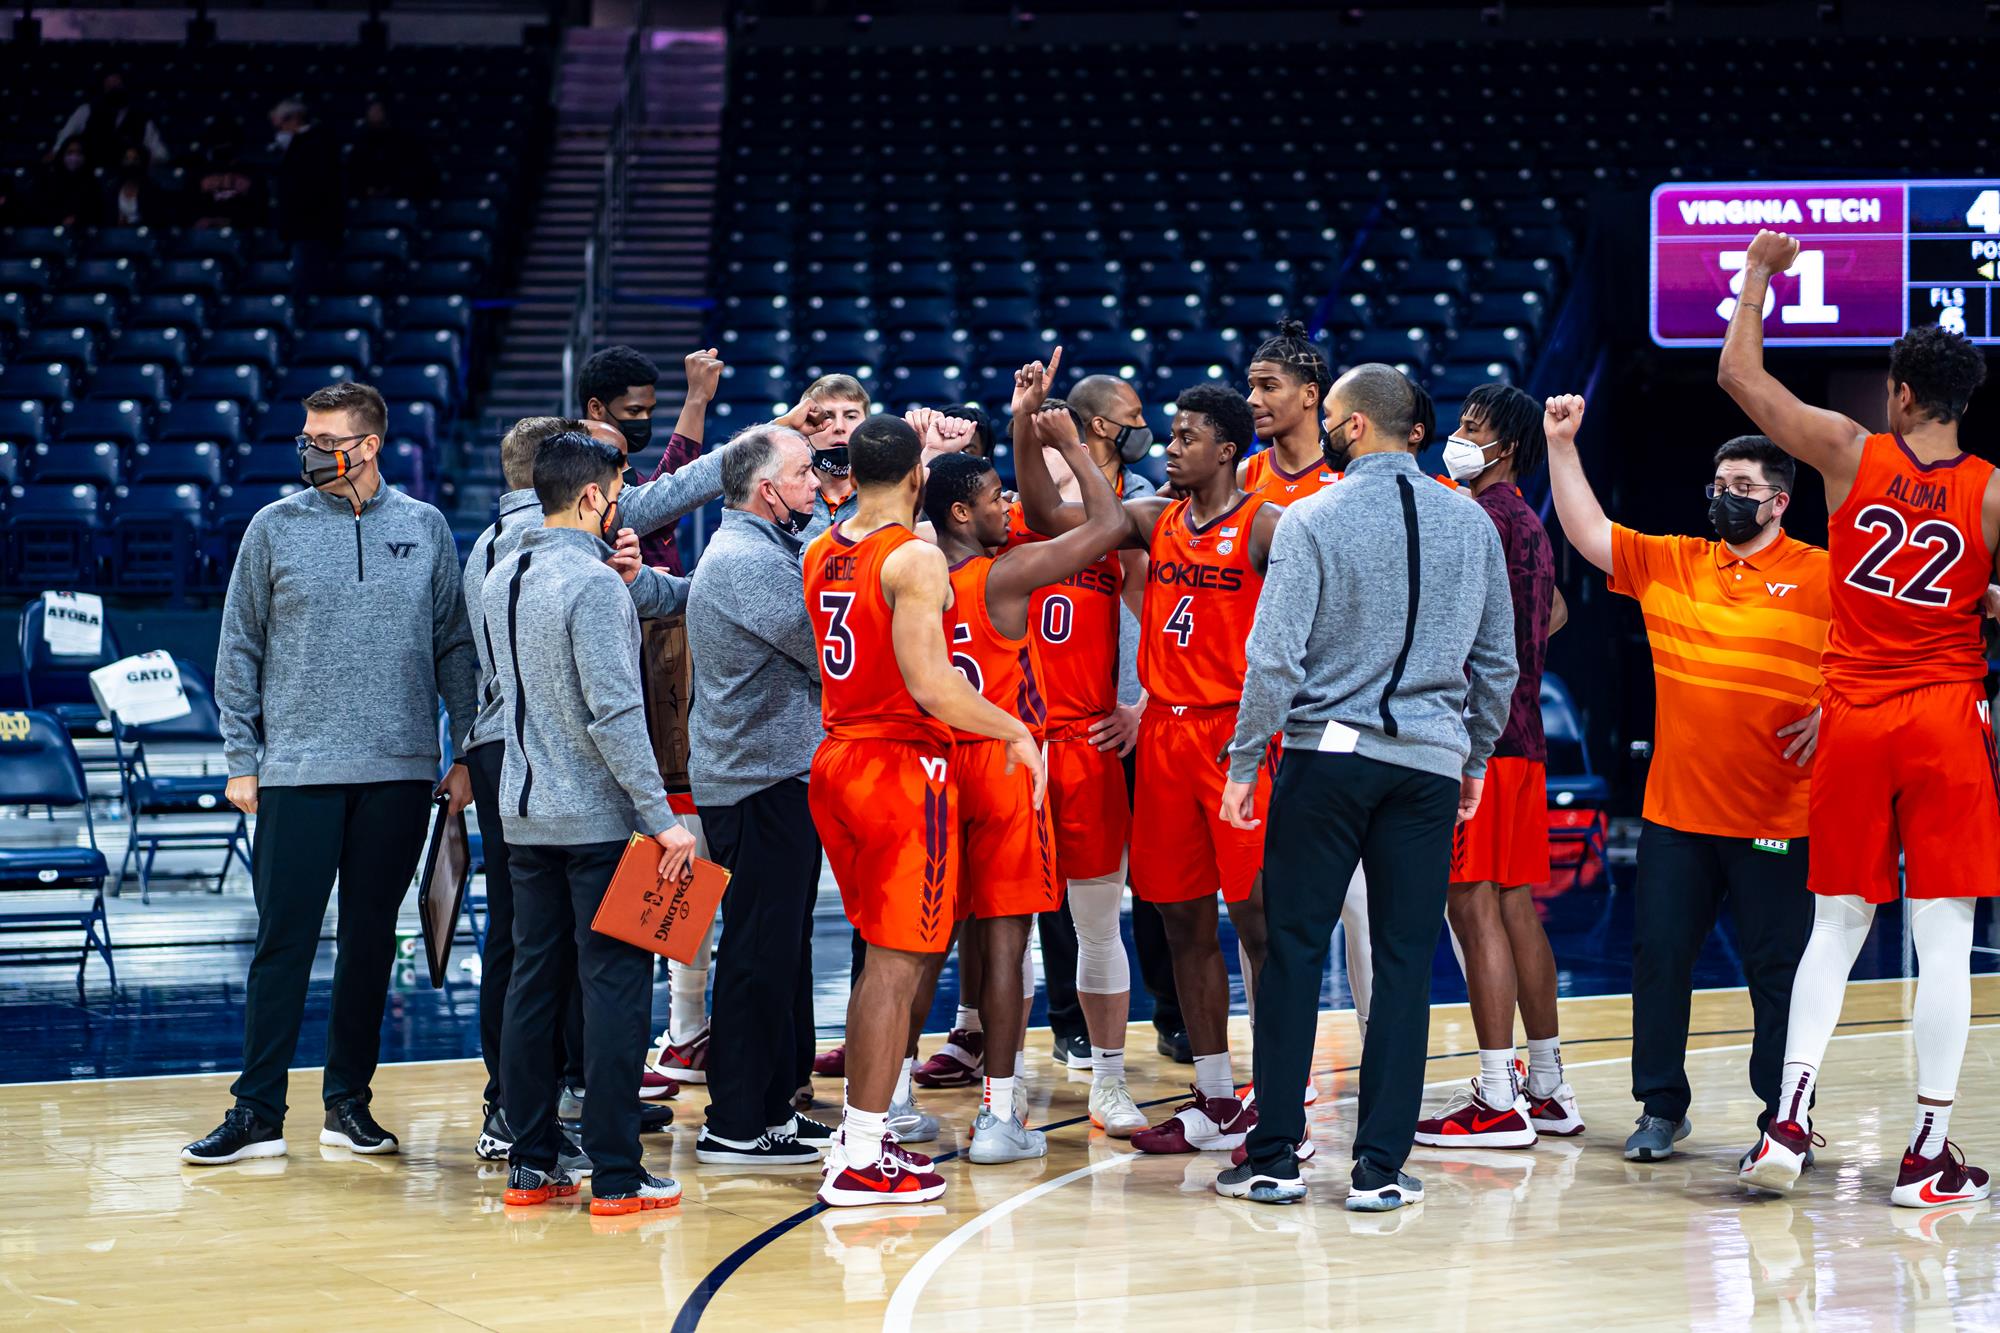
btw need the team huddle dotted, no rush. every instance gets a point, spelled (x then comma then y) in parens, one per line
(966, 651)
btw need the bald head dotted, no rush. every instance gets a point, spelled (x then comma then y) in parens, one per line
(1103, 396)
(606, 433)
(1380, 393)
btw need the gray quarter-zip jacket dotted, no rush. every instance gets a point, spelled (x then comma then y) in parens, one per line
(1385, 627)
(655, 593)
(579, 766)
(756, 715)
(339, 633)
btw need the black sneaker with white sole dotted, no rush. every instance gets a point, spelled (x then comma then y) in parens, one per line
(811, 1132)
(349, 1125)
(242, 1134)
(1377, 1191)
(1282, 1184)
(495, 1139)
(1073, 1050)
(654, 1118)
(764, 1150)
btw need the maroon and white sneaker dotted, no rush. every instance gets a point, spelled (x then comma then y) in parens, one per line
(959, 1063)
(1467, 1121)
(685, 1060)
(893, 1177)
(655, 1086)
(1304, 1152)
(1206, 1124)
(1930, 1182)
(831, 1063)
(1555, 1115)
(1781, 1152)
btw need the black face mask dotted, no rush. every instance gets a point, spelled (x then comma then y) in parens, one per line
(1735, 517)
(638, 432)
(607, 523)
(320, 467)
(832, 461)
(1333, 451)
(795, 520)
(1132, 442)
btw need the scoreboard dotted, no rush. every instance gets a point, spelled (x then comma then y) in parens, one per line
(1875, 258)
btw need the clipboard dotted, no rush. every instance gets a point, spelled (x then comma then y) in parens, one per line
(446, 868)
(669, 919)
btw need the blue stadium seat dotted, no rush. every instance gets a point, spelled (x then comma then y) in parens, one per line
(266, 277)
(929, 347)
(302, 380)
(47, 382)
(205, 278)
(169, 310)
(437, 276)
(755, 313)
(116, 421)
(119, 276)
(1001, 314)
(259, 347)
(837, 312)
(1433, 312)
(466, 214)
(925, 386)
(1522, 275)
(451, 313)
(11, 469)
(992, 247)
(431, 384)
(72, 463)
(194, 420)
(242, 384)
(402, 464)
(1000, 278)
(844, 279)
(220, 243)
(838, 348)
(14, 308)
(763, 345)
(280, 423)
(471, 245)
(173, 464)
(911, 279)
(98, 311)
(382, 213)
(1249, 310)
(347, 313)
(51, 538)
(265, 465)
(329, 345)
(156, 534)
(413, 421)
(142, 381)
(31, 277)
(1169, 278)
(47, 243)
(1071, 313)
(928, 313)
(43, 886)
(758, 277)
(1502, 309)
(22, 422)
(73, 347)
(1400, 347)
(362, 277)
(166, 347)
(1158, 314)
(272, 311)
(1509, 346)
(122, 243)
(388, 243)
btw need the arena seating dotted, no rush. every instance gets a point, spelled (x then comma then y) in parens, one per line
(149, 375)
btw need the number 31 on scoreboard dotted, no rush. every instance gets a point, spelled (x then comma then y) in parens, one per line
(1810, 306)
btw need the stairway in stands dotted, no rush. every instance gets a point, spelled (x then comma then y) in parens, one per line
(663, 255)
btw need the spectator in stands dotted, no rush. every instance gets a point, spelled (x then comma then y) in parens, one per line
(845, 403)
(311, 197)
(227, 193)
(616, 385)
(109, 124)
(137, 202)
(387, 162)
(329, 703)
(69, 195)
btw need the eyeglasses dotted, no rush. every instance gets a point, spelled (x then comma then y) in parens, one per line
(329, 442)
(1742, 489)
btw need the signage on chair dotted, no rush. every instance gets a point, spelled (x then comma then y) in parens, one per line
(73, 623)
(141, 689)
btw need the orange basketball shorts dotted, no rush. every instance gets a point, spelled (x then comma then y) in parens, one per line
(1507, 841)
(884, 811)
(1007, 848)
(1915, 774)
(1087, 799)
(1181, 847)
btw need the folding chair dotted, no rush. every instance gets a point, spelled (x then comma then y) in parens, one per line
(151, 796)
(51, 885)
(60, 686)
(1572, 783)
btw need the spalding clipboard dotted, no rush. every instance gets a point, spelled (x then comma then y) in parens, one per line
(445, 870)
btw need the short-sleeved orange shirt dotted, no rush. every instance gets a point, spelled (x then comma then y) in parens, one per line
(1736, 649)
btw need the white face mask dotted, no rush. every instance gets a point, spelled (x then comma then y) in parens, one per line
(1464, 460)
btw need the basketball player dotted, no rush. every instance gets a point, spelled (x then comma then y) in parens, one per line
(1007, 849)
(845, 405)
(1503, 850)
(881, 790)
(1207, 555)
(1906, 758)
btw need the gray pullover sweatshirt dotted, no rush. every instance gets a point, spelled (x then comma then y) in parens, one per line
(655, 593)
(579, 766)
(339, 633)
(1385, 627)
(756, 715)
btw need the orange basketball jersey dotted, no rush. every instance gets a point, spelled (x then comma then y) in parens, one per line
(1265, 480)
(1075, 627)
(1909, 564)
(862, 694)
(1001, 668)
(1201, 599)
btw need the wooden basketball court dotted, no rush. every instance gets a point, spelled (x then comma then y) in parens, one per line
(105, 1228)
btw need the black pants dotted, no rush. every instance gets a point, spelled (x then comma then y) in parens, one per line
(496, 963)
(556, 894)
(763, 971)
(370, 835)
(1058, 932)
(1684, 879)
(1149, 942)
(1329, 811)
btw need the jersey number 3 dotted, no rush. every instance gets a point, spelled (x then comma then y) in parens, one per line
(836, 653)
(1180, 623)
(1944, 542)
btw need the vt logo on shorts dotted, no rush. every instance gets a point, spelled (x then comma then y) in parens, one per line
(401, 550)
(1779, 589)
(935, 767)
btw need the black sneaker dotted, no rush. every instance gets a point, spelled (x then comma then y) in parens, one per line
(654, 1119)
(1073, 1050)
(811, 1132)
(1176, 1047)
(495, 1139)
(764, 1150)
(350, 1126)
(1377, 1191)
(1282, 1184)
(241, 1134)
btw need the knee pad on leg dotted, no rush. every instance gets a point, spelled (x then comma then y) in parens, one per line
(1101, 965)
(1941, 1017)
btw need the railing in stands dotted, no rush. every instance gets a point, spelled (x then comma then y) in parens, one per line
(593, 300)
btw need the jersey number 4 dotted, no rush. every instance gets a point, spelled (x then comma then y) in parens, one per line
(1180, 623)
(836, 652)
(1944, 542)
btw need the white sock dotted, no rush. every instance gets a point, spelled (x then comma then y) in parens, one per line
(999, 1096)
(1021, 1063)
(1213, 1077)
(861, 1135)
(1795, 1091)
(1840, 926)
(1107, 1064)
(1927, 1139)
(903, 1093)
(967, 1020)
(688, 1012)
(1545, 1066)
(1496, 1077)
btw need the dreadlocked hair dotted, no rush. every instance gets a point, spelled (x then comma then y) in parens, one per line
(1515, 419)
(1423, 415)
(1291, 348)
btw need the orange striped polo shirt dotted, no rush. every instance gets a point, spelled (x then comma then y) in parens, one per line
(1736, 647)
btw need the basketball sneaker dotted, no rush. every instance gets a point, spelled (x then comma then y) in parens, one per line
(1244, 1181)
(909, 1123)
(685, 1061)
(1927, 1182)
(527, 1186)
(764, 1150)
(810, 1132)
(653, 1192)
(1468, 1122)
(654, 1118)
(242, 1134)
(1376, 1191)
(653, 1085)
(569, 1104)
(995, 1140)
(495, 1139)
(1555, 1115)
(1073, 1051)
(1206, 1124)
(1781, 1152)
(1113, 1110)
(571, 1158)
(831, 1063)
(1303, 1151)
(350, 1126)
(959, 1063)
(1655, 1136)
(894, 1177)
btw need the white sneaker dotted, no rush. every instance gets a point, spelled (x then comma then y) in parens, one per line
(1774, 1164)
(995, 1140)
(1556, 1114)
(1113, 1110)
(909, 1123)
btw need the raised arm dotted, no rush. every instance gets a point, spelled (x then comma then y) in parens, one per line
(704, 372)
(1031, 565)
(1583, 519)
(1824, 439)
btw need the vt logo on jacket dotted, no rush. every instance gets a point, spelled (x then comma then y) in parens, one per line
(401, 550)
